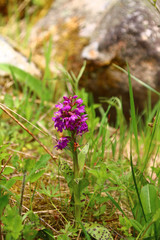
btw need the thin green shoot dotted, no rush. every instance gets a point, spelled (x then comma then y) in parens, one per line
(133, 175)
(138, 80)
(133, 114)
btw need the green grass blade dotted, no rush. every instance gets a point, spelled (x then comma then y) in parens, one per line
(133, 114)
(116, 204)
(81, 71)
(15, 80)
(87, 237)
(29, 80)
(147, 158)
(138, 80)
(135, 184)
(133, 175)
(134, 223)
(103, 125)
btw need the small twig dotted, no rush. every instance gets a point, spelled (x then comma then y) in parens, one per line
(46, 130)
(54, 230)
(6, 164)
(23, 5)
(23, 153)
(22, 118)
(27, 130)
(46, 211)
(41, 219)
(79, 234)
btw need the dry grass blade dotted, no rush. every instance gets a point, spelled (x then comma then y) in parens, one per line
(27, 130)
(41, 219)
(23, 118)
(5, 164)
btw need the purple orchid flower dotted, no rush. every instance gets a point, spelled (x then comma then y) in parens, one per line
(70, 117)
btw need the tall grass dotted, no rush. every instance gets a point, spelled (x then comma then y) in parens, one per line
(119, 166)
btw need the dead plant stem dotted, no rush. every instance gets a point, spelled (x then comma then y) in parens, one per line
(27, 130)
(5, 164)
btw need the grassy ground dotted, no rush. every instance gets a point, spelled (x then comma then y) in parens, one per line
(119, 166)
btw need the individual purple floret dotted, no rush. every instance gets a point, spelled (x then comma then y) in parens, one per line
(70, 117)
(62, 143)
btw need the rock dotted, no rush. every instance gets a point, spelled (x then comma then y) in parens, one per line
(129, 32)
(69, 23)
(63, 10)
(11, 56)
(117, 31)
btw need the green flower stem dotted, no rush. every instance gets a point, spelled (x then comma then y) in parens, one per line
(76, 187)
